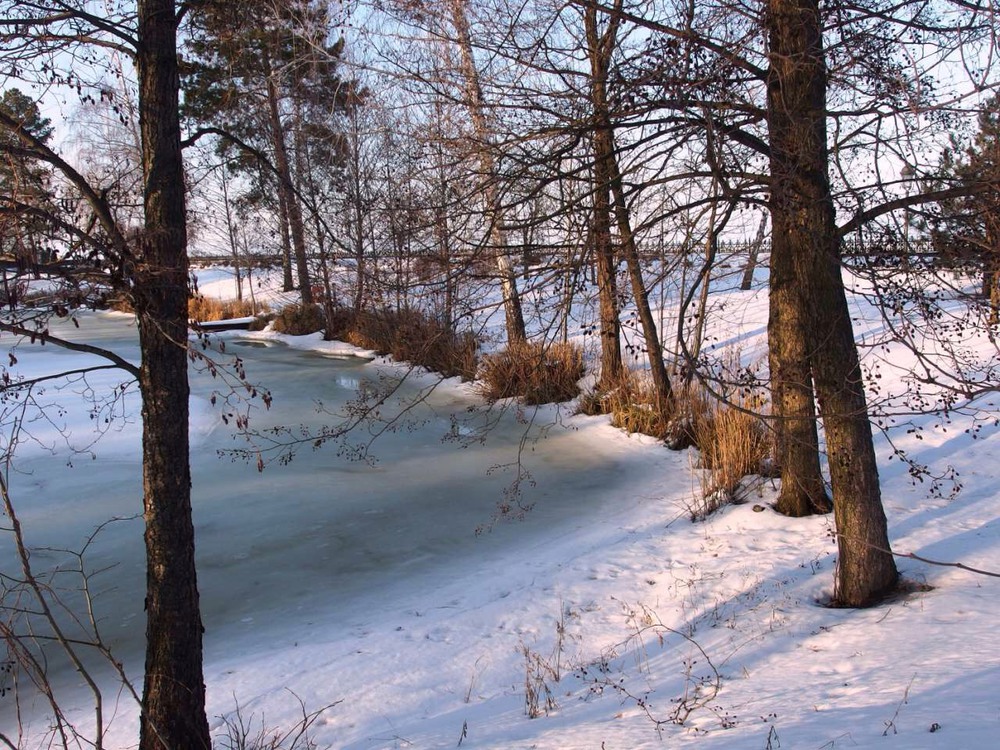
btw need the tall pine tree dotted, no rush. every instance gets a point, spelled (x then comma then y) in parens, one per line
(25, 191)
(253, 71)
(968, 228)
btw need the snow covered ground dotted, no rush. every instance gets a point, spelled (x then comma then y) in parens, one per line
(606, 612)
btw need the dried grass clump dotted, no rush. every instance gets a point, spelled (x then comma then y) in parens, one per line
(120, 303)
(734, 443)
(339, 321)
(409, 335)
(634, 406)
(202, 309)
(298, 320)
(535, 372)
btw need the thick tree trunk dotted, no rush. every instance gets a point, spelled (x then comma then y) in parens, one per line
(599, 52)
(612, 366)
(173, 702)
(803, 491)
(806, 253)
(477, 112)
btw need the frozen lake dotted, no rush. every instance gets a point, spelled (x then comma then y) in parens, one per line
(316, 544)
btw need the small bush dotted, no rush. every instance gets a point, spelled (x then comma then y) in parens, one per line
(202, 308)
(412, 336)
(692, 407)
(261, 322)
(536, 372)
(298, 320)
(120, 303)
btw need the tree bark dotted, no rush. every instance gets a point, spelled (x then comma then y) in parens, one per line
(287, 190)
(173, 702)
(599, 52)
(805, 250)
(640, 294)
(803, 491)
(600, 49)
(477, 111)
(231, 233)
(287, 282)
(357, 212)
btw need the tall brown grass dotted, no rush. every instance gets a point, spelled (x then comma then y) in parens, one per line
(410, 335)
(201, 308)
(634, 406)
(734, 443)
(298, 320)
(731, 438)
(536, 372)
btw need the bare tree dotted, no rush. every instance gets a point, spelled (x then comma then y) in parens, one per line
(810, 317)
(151, 267)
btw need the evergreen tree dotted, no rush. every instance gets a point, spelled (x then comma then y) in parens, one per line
(259, 71)
(24, 185)
(968, 228)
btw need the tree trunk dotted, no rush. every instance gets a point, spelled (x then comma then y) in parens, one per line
(304, 163)
(287, 190)
(599, 52)
(654, 349)
(477, 112)
(356, 220)
(287, 283)
(600, 49)
(711, 248)
(805, 251)
(991, 272)
(803, 491)
(442, 237)
(173, 702)
(753, 255)
(231, 233)
(993, 281)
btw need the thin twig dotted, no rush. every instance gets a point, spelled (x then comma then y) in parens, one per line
(921, 558)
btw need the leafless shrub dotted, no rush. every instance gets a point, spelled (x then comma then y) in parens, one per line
(242, 732)
(702, 680)
(540, 671)
(538, 697)
(37, 621)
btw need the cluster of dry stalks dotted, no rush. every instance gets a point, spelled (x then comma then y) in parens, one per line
(536, 372)
(202, 308)
(730, 434)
